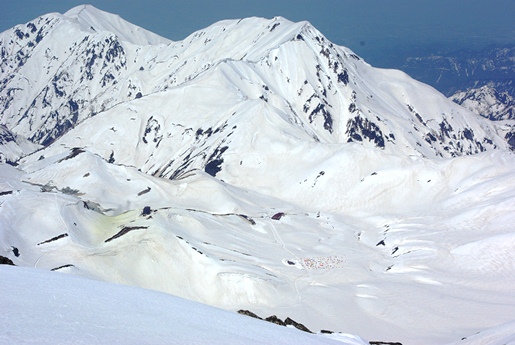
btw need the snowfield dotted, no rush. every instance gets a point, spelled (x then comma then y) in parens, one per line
(254, 165)
(65, 310)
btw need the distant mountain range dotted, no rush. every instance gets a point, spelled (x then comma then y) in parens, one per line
(255, 165)
(481, 80)
(455, 71)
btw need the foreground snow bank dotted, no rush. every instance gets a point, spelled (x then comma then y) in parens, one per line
(41, 307)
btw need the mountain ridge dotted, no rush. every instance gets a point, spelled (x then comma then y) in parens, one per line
(322, 77)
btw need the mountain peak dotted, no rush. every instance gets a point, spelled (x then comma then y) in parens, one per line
(98, 20)
(78, 10)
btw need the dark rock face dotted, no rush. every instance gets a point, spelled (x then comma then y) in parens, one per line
(61, 267)
(146, 211)
(359, 128)
(249, 313)
(277, 321)
(322, 111)
(54, 239)
(214, 167)
(278, 216)
(124, 231)
(6, 261)
(152, 132)
(290, 322)
(510, 139)
(215, 161)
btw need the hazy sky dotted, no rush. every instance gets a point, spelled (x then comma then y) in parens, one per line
(366, 26)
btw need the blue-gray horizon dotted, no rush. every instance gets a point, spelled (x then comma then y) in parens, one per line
(367, 27)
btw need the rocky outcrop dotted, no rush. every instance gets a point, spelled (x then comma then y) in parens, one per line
(6, 261)
(290, 322)
(274, 319)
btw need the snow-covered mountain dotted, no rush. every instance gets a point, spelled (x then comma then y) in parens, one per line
(61, 69)
(487, 102)
(321, 90)
(255, 165)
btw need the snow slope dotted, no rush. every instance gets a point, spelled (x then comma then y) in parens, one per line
(65, 310)
(376, 264)
(256, 165)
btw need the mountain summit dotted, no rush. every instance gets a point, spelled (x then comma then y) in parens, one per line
(254, 165)
(96, 20)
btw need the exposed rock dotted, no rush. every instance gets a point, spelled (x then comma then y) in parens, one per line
(278, 321)
(124, 231)
(295, 324)
(6, 261)
(146, 211)
(248, 313)
(145, 191)
(278, 216)
(54, 239)
(63, 266)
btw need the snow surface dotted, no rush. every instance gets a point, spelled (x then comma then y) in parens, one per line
(40, 307)
(256, 165)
